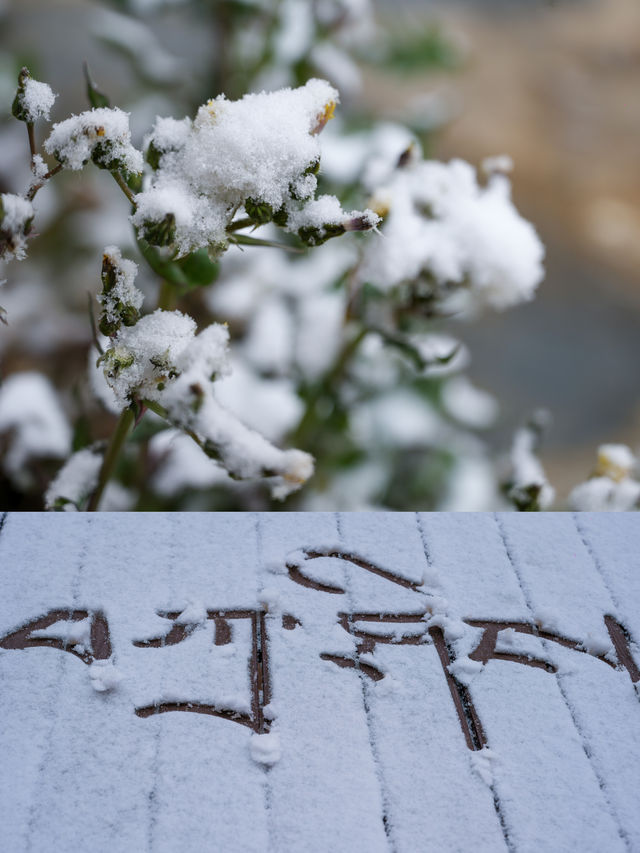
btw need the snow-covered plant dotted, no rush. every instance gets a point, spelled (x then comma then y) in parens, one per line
(257, 338)
(614, 484)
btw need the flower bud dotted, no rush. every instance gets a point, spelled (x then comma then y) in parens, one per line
(33, 100)
(160, 233)
(314, 235)
(259, 211)
(323, 117)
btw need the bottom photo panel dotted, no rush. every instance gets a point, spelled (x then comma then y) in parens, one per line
(319, 682)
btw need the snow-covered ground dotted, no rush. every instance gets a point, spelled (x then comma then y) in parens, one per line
(313, 682)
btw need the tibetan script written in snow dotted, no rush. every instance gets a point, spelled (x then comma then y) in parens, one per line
(86, 635)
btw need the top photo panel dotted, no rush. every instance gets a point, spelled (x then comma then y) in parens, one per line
(319, 255)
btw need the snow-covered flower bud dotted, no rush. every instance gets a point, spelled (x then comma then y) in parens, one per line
(33, 100)
(159, 232)
(324, 218)
(115, 360)
(323, 117)
(169, 135)
(120, 298)
(365, 221)
(16, 218)
(259, 211)
(316, 235)
(101, 135)
(615, 461)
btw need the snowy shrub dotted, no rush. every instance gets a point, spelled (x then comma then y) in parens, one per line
(259, 338)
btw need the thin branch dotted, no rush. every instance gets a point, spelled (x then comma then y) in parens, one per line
(125, 189)
(32, 140)
(34, 189)
(246, 222)
(92, 320)
(116, 443)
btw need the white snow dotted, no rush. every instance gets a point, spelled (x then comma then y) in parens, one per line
(104, 675)
(33, 420)
(124, 290)
(235, 150)
(37, 100)
(193, 614)
(75, 481)
(614, 486)
(265, 749)
(337, 760)
(439, 221)
(102, 133)
(15, 216)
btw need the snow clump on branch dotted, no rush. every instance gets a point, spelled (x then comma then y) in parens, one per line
(161, 362)
(16, 218)
(614, 486)
(101, 135)
(33, 99)
(445, 229)
(260, 153)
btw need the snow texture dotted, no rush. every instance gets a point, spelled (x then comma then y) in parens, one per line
(441, 223)
(261, 149)
(16, 214)
(100, 134)
(33, 421)
(123, 292)
(36, 100)
(75, 481)
(359, 745)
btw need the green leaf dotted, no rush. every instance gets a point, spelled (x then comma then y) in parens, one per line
(245, 240)
(198, 268)
(95, 96)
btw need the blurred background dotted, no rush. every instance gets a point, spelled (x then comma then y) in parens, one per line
(552, 84)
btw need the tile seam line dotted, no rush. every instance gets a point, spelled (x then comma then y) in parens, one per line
(268, 788)
(587, 751)
(152, 796)
(373, 748)
(597, 563)
(62, 667)
(497, 804)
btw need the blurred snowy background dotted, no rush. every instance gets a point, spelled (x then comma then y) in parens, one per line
(551, 84)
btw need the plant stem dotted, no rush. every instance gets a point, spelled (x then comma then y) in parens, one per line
(117, 177)
(32, 140)
(116, 443)
(34, 189)
(241, 223)
(310, 418)
(167, 296)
